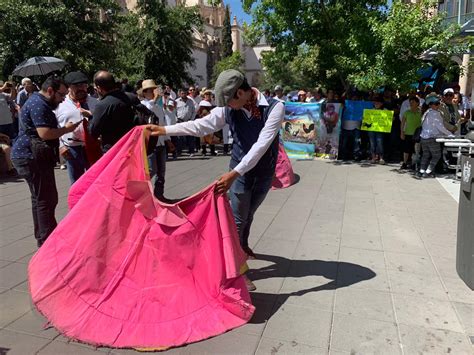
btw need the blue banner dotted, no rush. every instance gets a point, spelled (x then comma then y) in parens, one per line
(354, 110)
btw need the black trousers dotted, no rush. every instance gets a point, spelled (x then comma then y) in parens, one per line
(44, 195)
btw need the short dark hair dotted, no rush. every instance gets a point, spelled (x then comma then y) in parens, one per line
(414, 98)
(105, 80)
(245, 86)
(54, 82)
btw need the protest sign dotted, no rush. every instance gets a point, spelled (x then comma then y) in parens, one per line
(377, 121)
(353, 110)
(328, 131)
(299, 128)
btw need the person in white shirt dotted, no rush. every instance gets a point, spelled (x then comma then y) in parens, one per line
(77, 106)
(152, 100)
(432, 127)
(170, 116)
(255, 123)
(406, 103)
(279, 94)
(185, 111)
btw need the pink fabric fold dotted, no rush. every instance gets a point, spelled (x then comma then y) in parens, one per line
(124, 270)
(284, 175)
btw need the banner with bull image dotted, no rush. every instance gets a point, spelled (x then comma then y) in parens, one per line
(311, 129)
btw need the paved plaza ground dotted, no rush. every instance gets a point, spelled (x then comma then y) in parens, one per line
(353, 259)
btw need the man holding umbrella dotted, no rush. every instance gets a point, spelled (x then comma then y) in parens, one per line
(34, 152)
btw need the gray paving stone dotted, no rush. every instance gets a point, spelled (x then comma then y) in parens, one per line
(446, 267)
(13, 343)
(422, 285)
(410, 263)
(356, 276)
(4, 263)
(426, 312)
(13, 275)
(13, 305)
(441, 250)
(420, 340)
(321, 238)
(58, 347)
(404, 243)
(367, 258)
(361, 241)
(300, 324)
(364, 336)
(458, 290)
(465, 313)
(280, 347)
(33, 323)
(314, 292)
(314, 250)
(18, 249)
(15, 233)
(368, 304)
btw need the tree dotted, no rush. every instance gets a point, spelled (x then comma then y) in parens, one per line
(69, 29)
(339, 29)
(407, 32)
(227, 35)
(353, 42)
(235, 61)
(156, 42)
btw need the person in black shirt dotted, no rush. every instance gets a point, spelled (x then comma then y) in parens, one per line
(114, 113)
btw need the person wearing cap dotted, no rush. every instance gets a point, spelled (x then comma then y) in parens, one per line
(152, 100)
(25, 93)
(254, 123)
(449, 111)
(77, 106)
(432, 127)
(279, 94)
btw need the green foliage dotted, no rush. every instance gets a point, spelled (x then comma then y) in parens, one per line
(68, 29)
(227, 35)
(339, 43)
(408, 31)
(235, 61)
(156, 42)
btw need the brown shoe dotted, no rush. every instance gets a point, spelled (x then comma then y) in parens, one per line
(250, 285)
(251, 255)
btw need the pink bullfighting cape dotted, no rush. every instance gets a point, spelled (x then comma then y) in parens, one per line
(125, 270)
(284, 175)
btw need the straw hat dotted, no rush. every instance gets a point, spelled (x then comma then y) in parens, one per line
(147, 84)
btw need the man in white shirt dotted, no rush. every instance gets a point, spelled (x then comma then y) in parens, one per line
(279, 94)
(255, 123)
(77, 106)
(185, 111)
(152, 101)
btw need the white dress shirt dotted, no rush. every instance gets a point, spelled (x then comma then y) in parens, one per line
(158, 111)
(67, 111)
(216, 121)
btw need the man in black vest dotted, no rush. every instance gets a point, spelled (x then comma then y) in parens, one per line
(254, 122)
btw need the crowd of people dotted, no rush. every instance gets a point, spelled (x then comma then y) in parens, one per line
(65, 118)
(81, 122)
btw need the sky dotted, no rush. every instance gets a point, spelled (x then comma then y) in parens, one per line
(236, 10)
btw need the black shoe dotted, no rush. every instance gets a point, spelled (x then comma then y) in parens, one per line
(426, 175)
(404, 167)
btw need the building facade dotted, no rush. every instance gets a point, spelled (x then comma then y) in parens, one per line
(207, 42)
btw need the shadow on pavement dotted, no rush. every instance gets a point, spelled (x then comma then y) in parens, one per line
(267, 304)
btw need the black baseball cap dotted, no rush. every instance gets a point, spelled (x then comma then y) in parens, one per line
(76, 77)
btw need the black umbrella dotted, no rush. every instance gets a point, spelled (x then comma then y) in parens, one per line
(39, 66)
